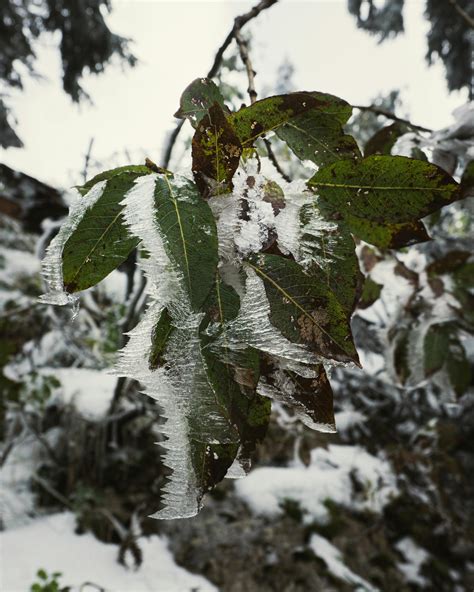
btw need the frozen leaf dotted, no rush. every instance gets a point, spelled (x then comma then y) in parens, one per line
(370, 293)
(305, 309)
(311, 398)
(197, 99)
(188, 229)
(93, 241)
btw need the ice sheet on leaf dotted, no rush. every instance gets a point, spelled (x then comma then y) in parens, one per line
(181, 384)
(52, 264)
(252, 327)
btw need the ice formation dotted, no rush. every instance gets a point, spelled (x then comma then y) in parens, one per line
(52, 263)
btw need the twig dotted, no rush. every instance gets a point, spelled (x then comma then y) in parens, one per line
(87, 159)
(392, 116)
(239, 22)
(460, 10)
(50, 489)
(245, 57)
(274, 161)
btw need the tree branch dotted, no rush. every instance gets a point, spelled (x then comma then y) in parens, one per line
(391, 116)
(239, 22)
(460, 10)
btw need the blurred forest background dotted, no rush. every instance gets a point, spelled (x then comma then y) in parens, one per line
(385, 504)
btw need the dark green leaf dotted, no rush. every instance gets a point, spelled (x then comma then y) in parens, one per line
(330, 257)
(318, 137)
(188, 225)
(458, 367)
(384, 139)
(370, 293)
(161, 332)
(387, 236)
(384, 189)
(305, 309)
(100, 242)
(436, 347)
(269, 114)
(197, 99)
(139, 170)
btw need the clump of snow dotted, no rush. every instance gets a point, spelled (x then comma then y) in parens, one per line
(332, 557)
(50, 543)
(17, 264)
(327, 477)
(89, 391)
(414, 556)
(349, 418)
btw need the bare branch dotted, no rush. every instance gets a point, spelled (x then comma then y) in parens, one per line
(274, 161)
(239, 22)
(460, 10)
(245, 57)
(391, 116)
(87, 159)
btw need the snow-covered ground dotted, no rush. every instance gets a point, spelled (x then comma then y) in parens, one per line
(50, 543)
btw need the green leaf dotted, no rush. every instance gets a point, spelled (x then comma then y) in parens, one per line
(235, 373)
(269, 114)
(458, 367)
(436, 347)
(318, 137)
(161, 333)
(384, 189)
(467, 180)
(197, 99)
(384, 139)
(370, 293)
(101, 241)
(106, 175)
(310, 123)
(188, 226)
(305, 309)
(387, 236)
(329, 255)
(216, 153)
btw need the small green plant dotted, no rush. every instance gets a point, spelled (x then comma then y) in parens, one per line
(48, 582)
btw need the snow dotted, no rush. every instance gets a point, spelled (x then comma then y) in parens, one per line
(17, 264)
(332, 557)
(50, 543)
(348, 418)
(328, 476)
(89, 391)
(414, 556)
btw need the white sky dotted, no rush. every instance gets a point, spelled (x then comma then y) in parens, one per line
(176, 42)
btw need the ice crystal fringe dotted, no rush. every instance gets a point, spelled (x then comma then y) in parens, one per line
(180, 387)
(52, 269)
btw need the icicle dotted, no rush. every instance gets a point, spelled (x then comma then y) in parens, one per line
(52, 269)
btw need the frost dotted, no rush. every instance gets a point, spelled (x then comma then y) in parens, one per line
(52, 263)
(180, 386)
(252, 327)
(332, 557)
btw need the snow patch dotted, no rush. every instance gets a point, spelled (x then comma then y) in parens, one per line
(51, 544)
(327, 477)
